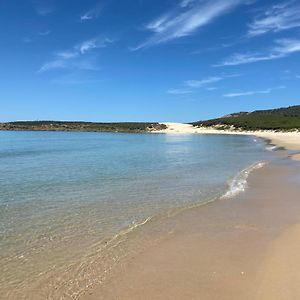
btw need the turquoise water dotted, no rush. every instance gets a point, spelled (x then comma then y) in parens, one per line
(65, 195)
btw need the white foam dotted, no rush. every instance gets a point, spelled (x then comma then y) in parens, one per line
(239, 183)
(271, 148)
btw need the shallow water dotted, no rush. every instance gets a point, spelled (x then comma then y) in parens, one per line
(65, 198)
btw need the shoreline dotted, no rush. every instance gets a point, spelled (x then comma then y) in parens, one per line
(242, 256)
(287, 140)
(221, 250)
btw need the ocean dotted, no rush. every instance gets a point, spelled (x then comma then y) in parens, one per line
(69, 200)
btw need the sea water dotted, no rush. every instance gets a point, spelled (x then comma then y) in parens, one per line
(65, 196)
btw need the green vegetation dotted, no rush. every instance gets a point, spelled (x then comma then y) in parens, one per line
(283, 119)
(80, 126)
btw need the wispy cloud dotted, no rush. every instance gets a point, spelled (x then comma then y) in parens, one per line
(268, 91)
(54, 64)
(283, 48)
(76, 56)
(277, 18)
(43, 7)
(206, 81)
(93, 44)
(185, 19)
(179, 91)
(189, 86)
(45, 33)
(213, 88)
(93, 13)
(250, 93)
(202, 82)
(67, 54)
(186, 3)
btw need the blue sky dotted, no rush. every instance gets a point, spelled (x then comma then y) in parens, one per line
(146, 60)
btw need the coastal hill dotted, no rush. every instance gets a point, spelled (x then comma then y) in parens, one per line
(284, 119)
(80, 126)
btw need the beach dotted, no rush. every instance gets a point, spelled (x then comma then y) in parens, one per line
(244, 247)
(287, 140)
(105, 194)
(177, 215)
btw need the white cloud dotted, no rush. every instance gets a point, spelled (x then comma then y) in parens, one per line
(179, 91)
(283, 48)
(93, 44)
(67, 54)
(277, 18)
(186, 3)
(206, 81)
(188, 86)
(43, 7)
(250, 93)
(202, 82)
(76, 57)
(213, 88)
(55, 64)
(92, 13)
(186, 19)
(45, 33)
(247, 93)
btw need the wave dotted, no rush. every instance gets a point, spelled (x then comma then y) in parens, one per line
(240, 182)
(272, 148)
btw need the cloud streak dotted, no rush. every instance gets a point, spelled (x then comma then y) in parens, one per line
(250, 93)
(206, 81)
(268, 91)
(282, 48)
(43, 7)
(190, 85)
(88, 45)
(76, 57)
(45, 33)
(202, 82)
(275, 19)
(185, 20)
(93, 13)
(179, 92)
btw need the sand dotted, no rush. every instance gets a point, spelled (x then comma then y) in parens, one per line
(241, 248)
(288, 140)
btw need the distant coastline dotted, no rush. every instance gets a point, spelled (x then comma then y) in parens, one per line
(280, 127)
(280, 120)
(77, 126)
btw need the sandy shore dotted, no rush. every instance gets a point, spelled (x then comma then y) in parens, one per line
(245, 247)
(241, 248)
(288, 140)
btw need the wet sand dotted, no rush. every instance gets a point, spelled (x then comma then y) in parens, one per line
(246, 247)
